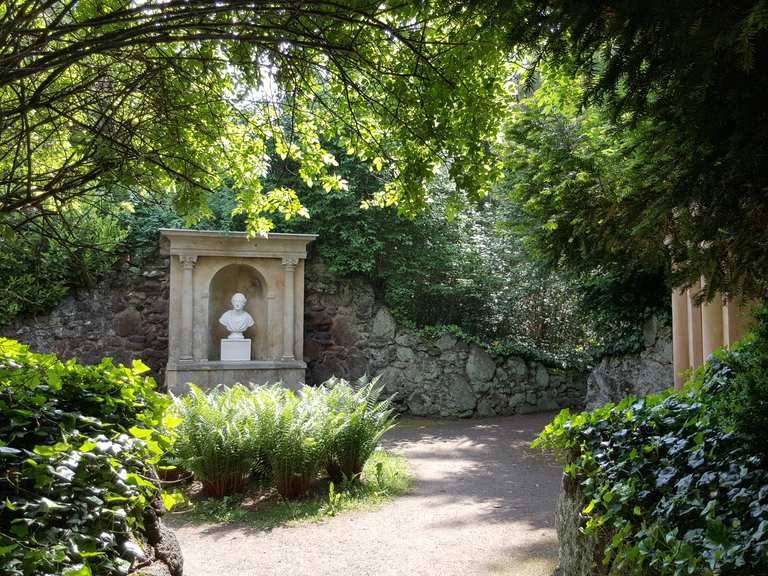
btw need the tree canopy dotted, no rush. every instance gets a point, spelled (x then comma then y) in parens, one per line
(633, 134)
(120, 96)
(684, 83)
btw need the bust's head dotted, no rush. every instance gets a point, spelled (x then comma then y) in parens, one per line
(238, 301)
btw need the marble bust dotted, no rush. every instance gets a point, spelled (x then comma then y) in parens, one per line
(236, 320)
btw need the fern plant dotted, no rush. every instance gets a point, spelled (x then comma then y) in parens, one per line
(357, 420)
(217, 439)
(295, 443)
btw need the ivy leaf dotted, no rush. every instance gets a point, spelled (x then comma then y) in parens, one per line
(139, 367)
(171, 500)
(665, 477)
(78, 570)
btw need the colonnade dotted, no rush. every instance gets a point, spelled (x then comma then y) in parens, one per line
(698, 330)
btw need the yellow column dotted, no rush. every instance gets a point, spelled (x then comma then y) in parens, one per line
(694, 328)
(680, 335)
(711, 323)
(736, 320)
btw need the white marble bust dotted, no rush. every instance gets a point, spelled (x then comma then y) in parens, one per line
(236, 320)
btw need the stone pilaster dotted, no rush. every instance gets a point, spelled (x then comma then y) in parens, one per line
(187, 305)
(289, 306)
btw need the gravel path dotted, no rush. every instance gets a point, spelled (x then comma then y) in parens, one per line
(483, 503)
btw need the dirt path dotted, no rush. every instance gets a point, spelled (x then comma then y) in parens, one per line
(483, 503)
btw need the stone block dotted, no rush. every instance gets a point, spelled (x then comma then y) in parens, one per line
(486, 407)
(419, 404)
(128, 322)
(462, 397)
(446, 342)
(344, 332)
(235, 350)
(383, 327)
(541, 377)
(517, 368)
(480, 365)
(405, 354)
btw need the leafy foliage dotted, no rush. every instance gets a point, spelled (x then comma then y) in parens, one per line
(77, 444)
(440, 268)
(178, 98)
(299, 442)
(38, 269)
(683, 82)
(678, 480)
(742, 375)
(570, 178)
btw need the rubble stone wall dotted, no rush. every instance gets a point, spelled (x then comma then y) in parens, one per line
(347, 334)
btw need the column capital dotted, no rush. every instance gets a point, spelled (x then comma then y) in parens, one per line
(290, 262)
(187, 261)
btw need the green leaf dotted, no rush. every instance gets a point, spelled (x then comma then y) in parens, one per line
(143, 433)
(171, 500)
(139, 367)
(79, 570)
(51, 450)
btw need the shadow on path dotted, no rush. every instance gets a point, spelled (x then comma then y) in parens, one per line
(483, 503)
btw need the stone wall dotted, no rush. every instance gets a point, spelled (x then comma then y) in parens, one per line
(580, 554)
(124, 317)
(347, 334)
(616, 377)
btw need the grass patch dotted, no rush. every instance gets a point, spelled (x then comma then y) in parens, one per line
(385, 476)
(417, 422)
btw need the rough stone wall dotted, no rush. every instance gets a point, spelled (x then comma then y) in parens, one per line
(348, 334)
(617, 377)
(124, 317)
(580, 554)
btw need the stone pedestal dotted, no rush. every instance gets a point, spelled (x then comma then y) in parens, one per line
(236, 350)
(207, 375)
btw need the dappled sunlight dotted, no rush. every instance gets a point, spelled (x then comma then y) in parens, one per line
(526, 560)
(482, 503)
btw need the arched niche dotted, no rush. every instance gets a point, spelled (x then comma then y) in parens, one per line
(226, 282)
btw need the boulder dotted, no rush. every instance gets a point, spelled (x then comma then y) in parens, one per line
(480, 365)
(128, 322)
(446, 342)
(616, 377)
(463, 400)
(405, 354)
(162, 546)
(383, 327)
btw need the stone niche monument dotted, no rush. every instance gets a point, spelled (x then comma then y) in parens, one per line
(236, 308)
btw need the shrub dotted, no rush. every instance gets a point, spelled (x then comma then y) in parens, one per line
(741, 377)
(40, 267)
(357, 421)
(76, 450)
(217, 439)
(670, 477)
